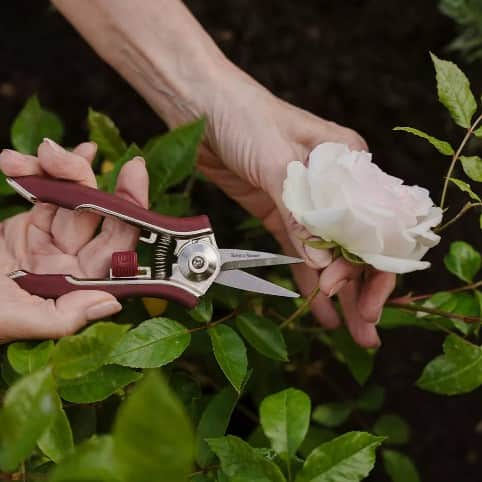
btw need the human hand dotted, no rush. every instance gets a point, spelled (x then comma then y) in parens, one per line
(50, 240)
(251, 137)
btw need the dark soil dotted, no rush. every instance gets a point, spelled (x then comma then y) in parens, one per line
(362, 63)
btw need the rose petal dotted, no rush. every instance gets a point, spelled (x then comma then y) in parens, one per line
(296, 192)
(393, 265)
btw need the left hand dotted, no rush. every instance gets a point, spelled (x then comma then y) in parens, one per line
(52, 240)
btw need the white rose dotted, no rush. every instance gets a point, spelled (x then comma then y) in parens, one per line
(341, 196)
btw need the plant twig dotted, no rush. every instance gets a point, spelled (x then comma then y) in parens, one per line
(466, 208)
(409, 299)
(301, 308)
(433, 311)
(455, 157)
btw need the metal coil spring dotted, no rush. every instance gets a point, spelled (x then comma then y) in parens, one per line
(162, 250)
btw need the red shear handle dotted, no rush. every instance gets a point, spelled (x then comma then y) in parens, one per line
(70, 195)
(55, 285)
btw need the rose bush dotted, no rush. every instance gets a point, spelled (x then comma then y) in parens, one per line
(95, 406)
(341, 196)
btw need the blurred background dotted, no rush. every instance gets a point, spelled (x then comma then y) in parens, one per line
(361, 63)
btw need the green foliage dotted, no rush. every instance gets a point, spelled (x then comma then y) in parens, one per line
(348, 458)
(29, 408)
(263, 335)
(171, 157)
(468, 16)
(394, 428)
(64, 394)
(472, 167)
(442, 146)
(146, 444)
(32, 125)
(28, 357)
(400, 467)
(285, 418)
(465, 187)
(463, 261)
(106, 135)
(75, 356)
(241, 463)
(154, 343)
(458, 370)
(230, 353)
(97, 385)
(454, 91)
(332, 414)
(214, 422)
(93, 460)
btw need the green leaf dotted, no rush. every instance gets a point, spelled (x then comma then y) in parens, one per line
(459, 370)
(148, 444)
(399, 467)
(5, 189)
(372, 399)
(332, 414)
(92, 461)
(478, 132)
(213, 423)
(285, 418)
(465, 187)
(203, 312)
(29, 408)
(348, 458)
(454, 91)
(105, 134)
(263, 335)
(472, 167)
(75, 356)
(241, 463)
(463, 261)
(32, 124)
(154, 343)
(171, 157)
(97, 385)
(10, 211)
(108, 181)
(57, 441)
(315, 437)
(442, 146)
(230, 353)
(319, 243)
(27, 357)
(176, 204)
(394, 428)
(358, 360)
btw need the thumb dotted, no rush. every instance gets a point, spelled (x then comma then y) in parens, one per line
(30, 317)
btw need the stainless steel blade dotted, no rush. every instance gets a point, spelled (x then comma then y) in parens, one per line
(242, 258)
(244, 281)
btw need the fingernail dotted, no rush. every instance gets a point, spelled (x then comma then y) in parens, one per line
(9, 151)
(141, 159)
(55, 147)
(337, 287)
(103, 309)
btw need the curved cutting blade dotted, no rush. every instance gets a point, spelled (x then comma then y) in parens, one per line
(242, 258)
(244, 281)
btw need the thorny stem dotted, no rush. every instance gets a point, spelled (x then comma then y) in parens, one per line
(214, 323)
(455, 158)
(410, 299)
(467, 207)
(433, 311)
(301, 308)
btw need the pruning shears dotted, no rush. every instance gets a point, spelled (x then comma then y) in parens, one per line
(185, 259)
